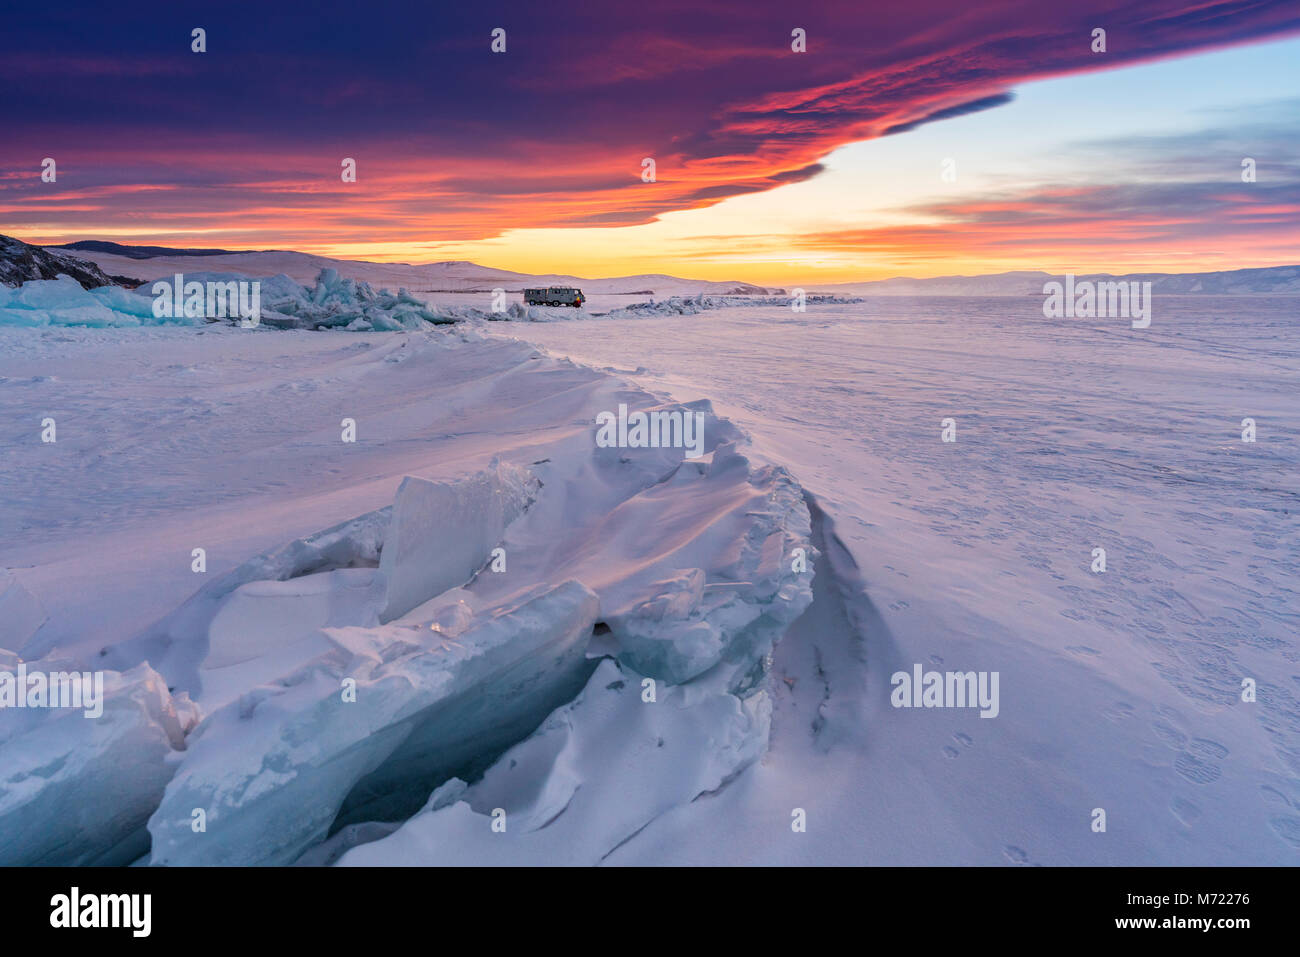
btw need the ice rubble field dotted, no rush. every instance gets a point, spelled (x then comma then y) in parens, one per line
(361, 569)
(331, 302)
(370, 562)
(62, 302)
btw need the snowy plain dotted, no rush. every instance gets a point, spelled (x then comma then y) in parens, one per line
(1119, 690)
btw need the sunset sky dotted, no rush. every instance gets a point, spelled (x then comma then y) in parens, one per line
(772, 166)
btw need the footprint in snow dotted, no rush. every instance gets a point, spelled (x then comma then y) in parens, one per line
(1206, 749)
(1196, 770)
(1274, 794)
(1170, 735)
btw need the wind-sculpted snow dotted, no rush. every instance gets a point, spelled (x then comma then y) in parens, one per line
(182, 640)
(77, 786)
(352, 676)
(684, 562)
(960, 556)
(20, 611)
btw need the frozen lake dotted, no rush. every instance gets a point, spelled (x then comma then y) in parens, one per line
(1120, 689)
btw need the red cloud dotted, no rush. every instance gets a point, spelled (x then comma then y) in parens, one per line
(452, 144)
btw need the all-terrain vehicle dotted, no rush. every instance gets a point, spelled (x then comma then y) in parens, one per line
(555, 296)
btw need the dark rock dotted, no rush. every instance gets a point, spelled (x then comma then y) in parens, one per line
(21, 262)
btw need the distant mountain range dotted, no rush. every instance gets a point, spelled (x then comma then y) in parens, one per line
(97, 262)
(156, 262)
(139, 252)
(1275, 280)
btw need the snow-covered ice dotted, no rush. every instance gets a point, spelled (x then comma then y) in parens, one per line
(1119, 690)
(478, 444)
(331, 302)
(523, 687)
(590, 778)
(388, 709)
(335, 302)
(442, 532)
(62, 302)
(78, 787)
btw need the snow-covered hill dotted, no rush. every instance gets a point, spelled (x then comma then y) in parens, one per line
(459, 276)
(1272, 280)
(454, 276)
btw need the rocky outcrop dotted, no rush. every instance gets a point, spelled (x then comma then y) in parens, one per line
(21, 262)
